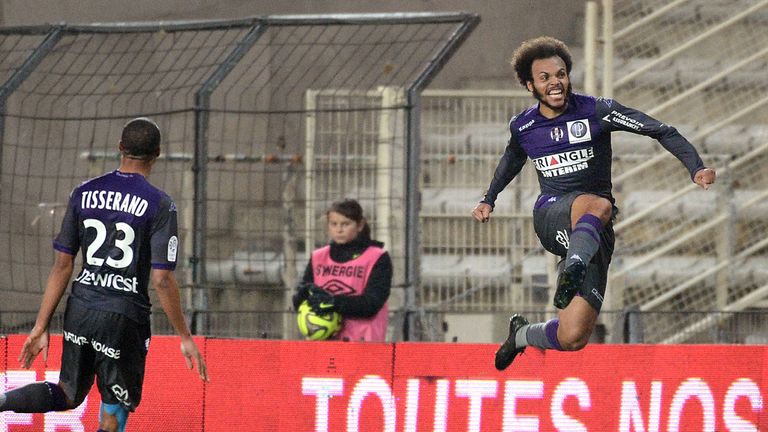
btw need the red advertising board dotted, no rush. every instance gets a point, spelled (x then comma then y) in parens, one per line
(426, 387)
(171, 400)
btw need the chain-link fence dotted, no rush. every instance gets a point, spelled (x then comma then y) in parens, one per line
(265, 122)
(697, 66)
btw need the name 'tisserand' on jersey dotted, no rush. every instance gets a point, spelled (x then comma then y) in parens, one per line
(572, 152)
(124, 227)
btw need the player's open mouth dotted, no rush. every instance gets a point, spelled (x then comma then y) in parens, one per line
(555, 92)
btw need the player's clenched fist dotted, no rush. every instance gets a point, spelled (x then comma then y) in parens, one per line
(482, 212)
(705, 177)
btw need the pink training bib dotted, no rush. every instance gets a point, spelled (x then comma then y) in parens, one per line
(350, 278)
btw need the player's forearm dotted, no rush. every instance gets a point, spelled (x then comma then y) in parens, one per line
(510, 165)
(58, 279)
(170, 300)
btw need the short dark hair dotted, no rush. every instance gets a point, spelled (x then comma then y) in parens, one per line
(351, 209)
(141, 139)
(535, 49)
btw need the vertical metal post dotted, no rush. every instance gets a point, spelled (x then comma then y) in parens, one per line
(590, 47)
(200, 171)
(413, 163)
(22, 73)
(310, 132)
(725, 239)
(634, 325)
(384, 155)
(608, 48)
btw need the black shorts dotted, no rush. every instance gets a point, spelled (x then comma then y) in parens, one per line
(107, 345)
(552, 222)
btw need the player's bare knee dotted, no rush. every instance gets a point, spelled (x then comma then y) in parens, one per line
(573, 340)
(574, 344)
(602, 208)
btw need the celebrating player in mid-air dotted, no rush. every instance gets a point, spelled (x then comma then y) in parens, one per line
(567, 137)
(126, 229)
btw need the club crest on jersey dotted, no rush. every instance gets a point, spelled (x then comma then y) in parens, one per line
(556, 134)
(578, 131)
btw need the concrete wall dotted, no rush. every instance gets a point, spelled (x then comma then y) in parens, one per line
(480, 63)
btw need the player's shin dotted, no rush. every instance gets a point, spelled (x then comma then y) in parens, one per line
(585, 240)
(544, 335)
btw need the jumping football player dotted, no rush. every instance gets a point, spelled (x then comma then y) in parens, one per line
(567, 137)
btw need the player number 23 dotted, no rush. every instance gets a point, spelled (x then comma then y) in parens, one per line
(123, 244)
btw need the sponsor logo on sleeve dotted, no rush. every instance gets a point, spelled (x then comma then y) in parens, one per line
(526, 126)
(618, 118)
(173, 246)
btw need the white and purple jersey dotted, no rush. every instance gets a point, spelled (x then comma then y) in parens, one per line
(124, 227)
(572, 152)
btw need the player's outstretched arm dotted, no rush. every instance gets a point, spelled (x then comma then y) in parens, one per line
(58, 279)
(705, 177)
(167, 289)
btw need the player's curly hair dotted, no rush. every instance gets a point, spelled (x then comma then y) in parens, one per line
(141, 139)
(539, 48)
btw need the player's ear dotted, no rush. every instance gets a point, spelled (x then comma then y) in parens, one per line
(529, 86)
(120, 146)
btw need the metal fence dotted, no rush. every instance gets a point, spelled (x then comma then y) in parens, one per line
(701, 327)
(268, 120)
(693, 64)
(265, 121)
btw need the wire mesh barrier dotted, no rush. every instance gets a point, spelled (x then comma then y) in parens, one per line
(694, 65)
(466, 266)
(265, 122)
(268, 120)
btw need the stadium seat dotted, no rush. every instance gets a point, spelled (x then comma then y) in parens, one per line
(690, 71)
(458, 201)
(493, 134)
(757, 212)
(662, 72)
(625, 143)
(488, 270)
(663, 268)
(703, 206)
(436, 269)
(729, 139)
(758, 134)
(481, 271)
(258, 268)
(638, 200)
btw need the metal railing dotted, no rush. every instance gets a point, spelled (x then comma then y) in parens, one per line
(632, 326)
